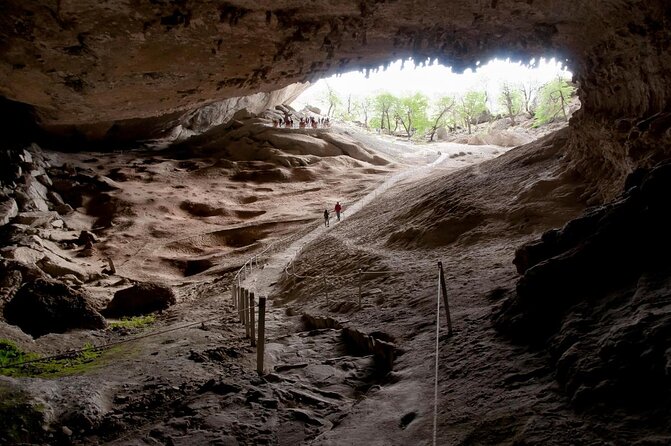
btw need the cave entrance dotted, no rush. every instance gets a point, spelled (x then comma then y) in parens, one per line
(499, 102)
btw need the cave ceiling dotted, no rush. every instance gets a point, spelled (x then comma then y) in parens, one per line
(99, 66)
(80, 62)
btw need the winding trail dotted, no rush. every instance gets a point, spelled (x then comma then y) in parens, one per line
(261, 281)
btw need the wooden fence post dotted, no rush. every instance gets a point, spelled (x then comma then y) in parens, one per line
(261, 344)
(240, 296)
(251, 319)
(443, 290)
(245, 312)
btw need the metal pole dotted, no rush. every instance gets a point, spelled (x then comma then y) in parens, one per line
(251, 319)
(443, 290)
(261, 344)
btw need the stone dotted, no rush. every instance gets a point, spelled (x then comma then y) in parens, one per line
(142, 298)
(46, 306)
(36, 193)
(87, 239)
(8, 210)
(441, 134)
(63, 209)
(36, 219)
(55, 198)
(23, 254)
(44, 179)
(57, 266)
(26, 157)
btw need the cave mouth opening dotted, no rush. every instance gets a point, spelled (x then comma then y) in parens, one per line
(416, 98)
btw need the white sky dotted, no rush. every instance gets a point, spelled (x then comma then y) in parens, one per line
(434, 80)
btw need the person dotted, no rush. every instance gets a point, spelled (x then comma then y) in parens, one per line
(326, 217)
(337, 209)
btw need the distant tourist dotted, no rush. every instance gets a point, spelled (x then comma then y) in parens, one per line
(326, 217)
(337, 210)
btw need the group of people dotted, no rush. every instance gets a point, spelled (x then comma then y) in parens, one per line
(327, 216)
(289, 122)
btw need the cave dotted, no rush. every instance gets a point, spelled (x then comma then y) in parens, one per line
(121, 121)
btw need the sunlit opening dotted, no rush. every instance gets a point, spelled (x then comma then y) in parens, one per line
(423, 101)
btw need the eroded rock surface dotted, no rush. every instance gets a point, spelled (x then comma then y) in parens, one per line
(141, 298)
(45, 306)
(114, 71)
(595, 293)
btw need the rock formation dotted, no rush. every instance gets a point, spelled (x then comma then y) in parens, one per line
(595, 293)
(140, 299)
(45, 306)
(111, 71)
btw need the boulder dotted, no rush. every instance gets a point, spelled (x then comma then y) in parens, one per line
(37, 219)
(45, 306)
(55, 198)
(8, 210)
(26, 157)
(37, 194)
(441, 134)
(57, 266)
(139, 299)
(23, 254)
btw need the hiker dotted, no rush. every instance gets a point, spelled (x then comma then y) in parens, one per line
(326, 217)
(337, 210)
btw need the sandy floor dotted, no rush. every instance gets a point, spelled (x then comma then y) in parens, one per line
(187, 224)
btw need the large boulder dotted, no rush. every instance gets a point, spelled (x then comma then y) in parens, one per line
(45, 306)
(139, 299)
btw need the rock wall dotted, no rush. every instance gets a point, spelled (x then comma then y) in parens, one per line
(101, 68)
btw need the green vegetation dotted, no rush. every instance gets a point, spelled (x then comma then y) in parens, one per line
(553, 101)
(473, 104)
(511, 101)
(133, 322)
(440, 114)
(75, 364)
(417, 116)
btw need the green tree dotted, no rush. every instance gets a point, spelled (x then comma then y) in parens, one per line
(441, 114)
(472, 105)
(511, 101)
(382, 104)
(553, 101)
(410, 111)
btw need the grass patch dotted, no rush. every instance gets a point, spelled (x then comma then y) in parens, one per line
(75, 364)
(133, 322)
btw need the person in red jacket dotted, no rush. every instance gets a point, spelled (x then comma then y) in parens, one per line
(337, 209)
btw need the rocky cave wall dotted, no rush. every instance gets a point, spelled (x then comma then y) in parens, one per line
(132, 69)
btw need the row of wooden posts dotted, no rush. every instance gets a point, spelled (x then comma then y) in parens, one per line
(244, 301)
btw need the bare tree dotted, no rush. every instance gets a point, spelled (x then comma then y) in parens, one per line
(511, 100)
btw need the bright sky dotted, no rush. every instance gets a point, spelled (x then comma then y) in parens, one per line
(434, 80)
